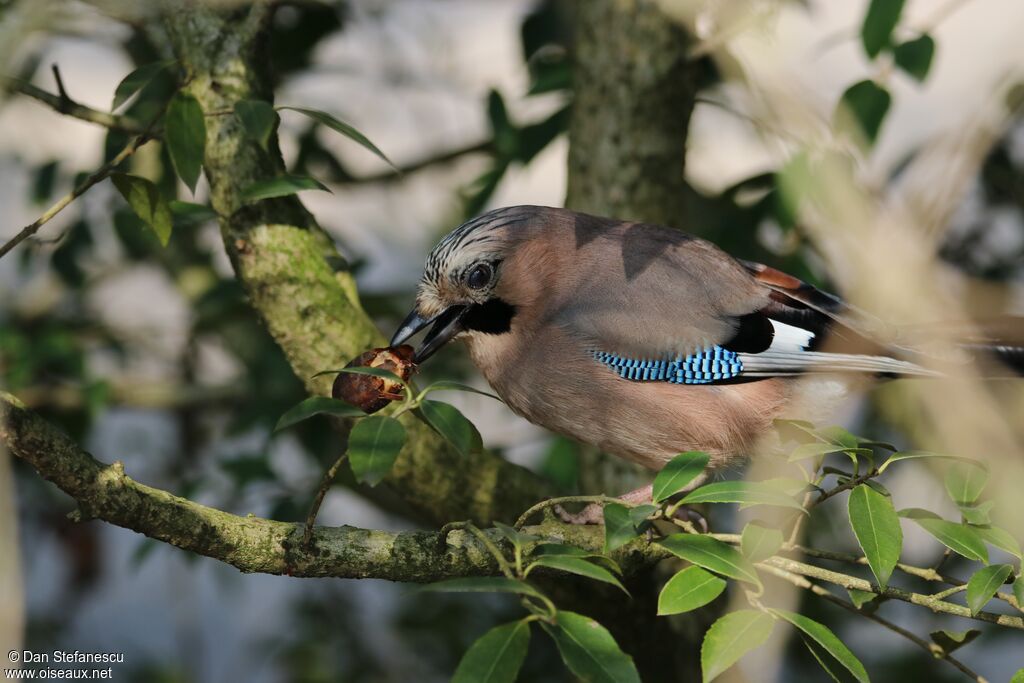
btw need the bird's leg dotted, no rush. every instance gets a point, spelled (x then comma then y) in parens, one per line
(594, 513)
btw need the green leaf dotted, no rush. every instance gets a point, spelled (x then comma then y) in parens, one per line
(578, 566)
(496, 656)
(281, 186)
(366, 370)
(456, 386)
(877, 528)
(1018, 590)
(480, 584)
(185, 136)
(951, 641)
(453, 426)
(680, 471)
(258, 119)
(879, 22)
(190, 213)
(815, 449)
(340, 126)
(689, 589)
(915, 56)
(711, 554)
(744, 492)
(957, 537)
(964, 483)
(573, 551)
(861, 110)
(590, 652)
(618, 527)
(914, 455)
(759, 543)
(977, 514)
(828, 641)
(145, 200)
(731, 637)
(137, 80)
(373, 446)
(860, 598)
(1018, 677)
(516, 537)
(317, 405)
(1000, 538)
(984, 584)
(639, 514)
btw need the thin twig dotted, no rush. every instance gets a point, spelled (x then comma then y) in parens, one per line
(325, 485)
(82, 188)
(551, 502)
(63, 104)
(930, 648)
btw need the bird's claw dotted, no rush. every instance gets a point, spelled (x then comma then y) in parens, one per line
(591, 514)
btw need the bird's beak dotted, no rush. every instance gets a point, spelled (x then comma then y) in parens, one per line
(447, 324)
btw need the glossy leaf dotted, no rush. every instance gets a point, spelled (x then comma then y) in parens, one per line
(877, 528)
(340, 126)
(258, 119)
(744, 492)
(639, 514)
(281, 186)
(680, 471)
(879, 22)
(689, 589)
(137, 80)
(573, 551)
(862, 109)
(984, 584)
(185, 137)
(317, 405)
(731, 637)
(146, 202)
(453, 426)
(759, 543)
(915, 455)
(951, 641)
(373, 446)
(1018, 589)
(979, 514)
(957, 537)
(618, 527)
(457, 386)
(964, 483)
(590, 652)
(480, 584)
(860, 598)
(915, 56)
(496, 656)
(1000, 538)
(578, 566)
(828, 641)
(711, 554)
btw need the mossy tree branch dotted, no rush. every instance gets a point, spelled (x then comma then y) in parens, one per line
(289, 265)
(252, 544)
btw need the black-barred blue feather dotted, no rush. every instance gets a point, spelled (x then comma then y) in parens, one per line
(713, 364)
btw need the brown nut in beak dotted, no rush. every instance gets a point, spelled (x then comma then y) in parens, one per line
(370, 393)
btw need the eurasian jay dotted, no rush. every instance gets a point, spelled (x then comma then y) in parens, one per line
(637, 338)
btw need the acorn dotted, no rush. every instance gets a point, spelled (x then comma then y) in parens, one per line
(368, 392)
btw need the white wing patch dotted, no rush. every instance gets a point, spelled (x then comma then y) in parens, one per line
(789, 337)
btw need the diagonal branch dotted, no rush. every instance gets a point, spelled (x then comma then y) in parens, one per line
(63, 104)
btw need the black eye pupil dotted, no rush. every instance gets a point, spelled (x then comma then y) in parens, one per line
(479, 276)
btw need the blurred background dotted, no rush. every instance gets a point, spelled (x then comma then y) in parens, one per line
(151, 355)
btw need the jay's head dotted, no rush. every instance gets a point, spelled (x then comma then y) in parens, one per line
(472, 280)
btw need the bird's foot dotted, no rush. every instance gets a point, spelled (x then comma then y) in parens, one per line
(591, 514)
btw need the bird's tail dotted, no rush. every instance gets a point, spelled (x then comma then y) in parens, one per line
(995, 346)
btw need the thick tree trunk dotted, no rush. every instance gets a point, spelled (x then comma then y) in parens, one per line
(288, 265)
(634, 91)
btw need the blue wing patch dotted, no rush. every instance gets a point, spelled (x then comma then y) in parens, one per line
(706, 366)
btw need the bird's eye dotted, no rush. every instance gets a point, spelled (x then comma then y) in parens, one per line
(479, 276)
